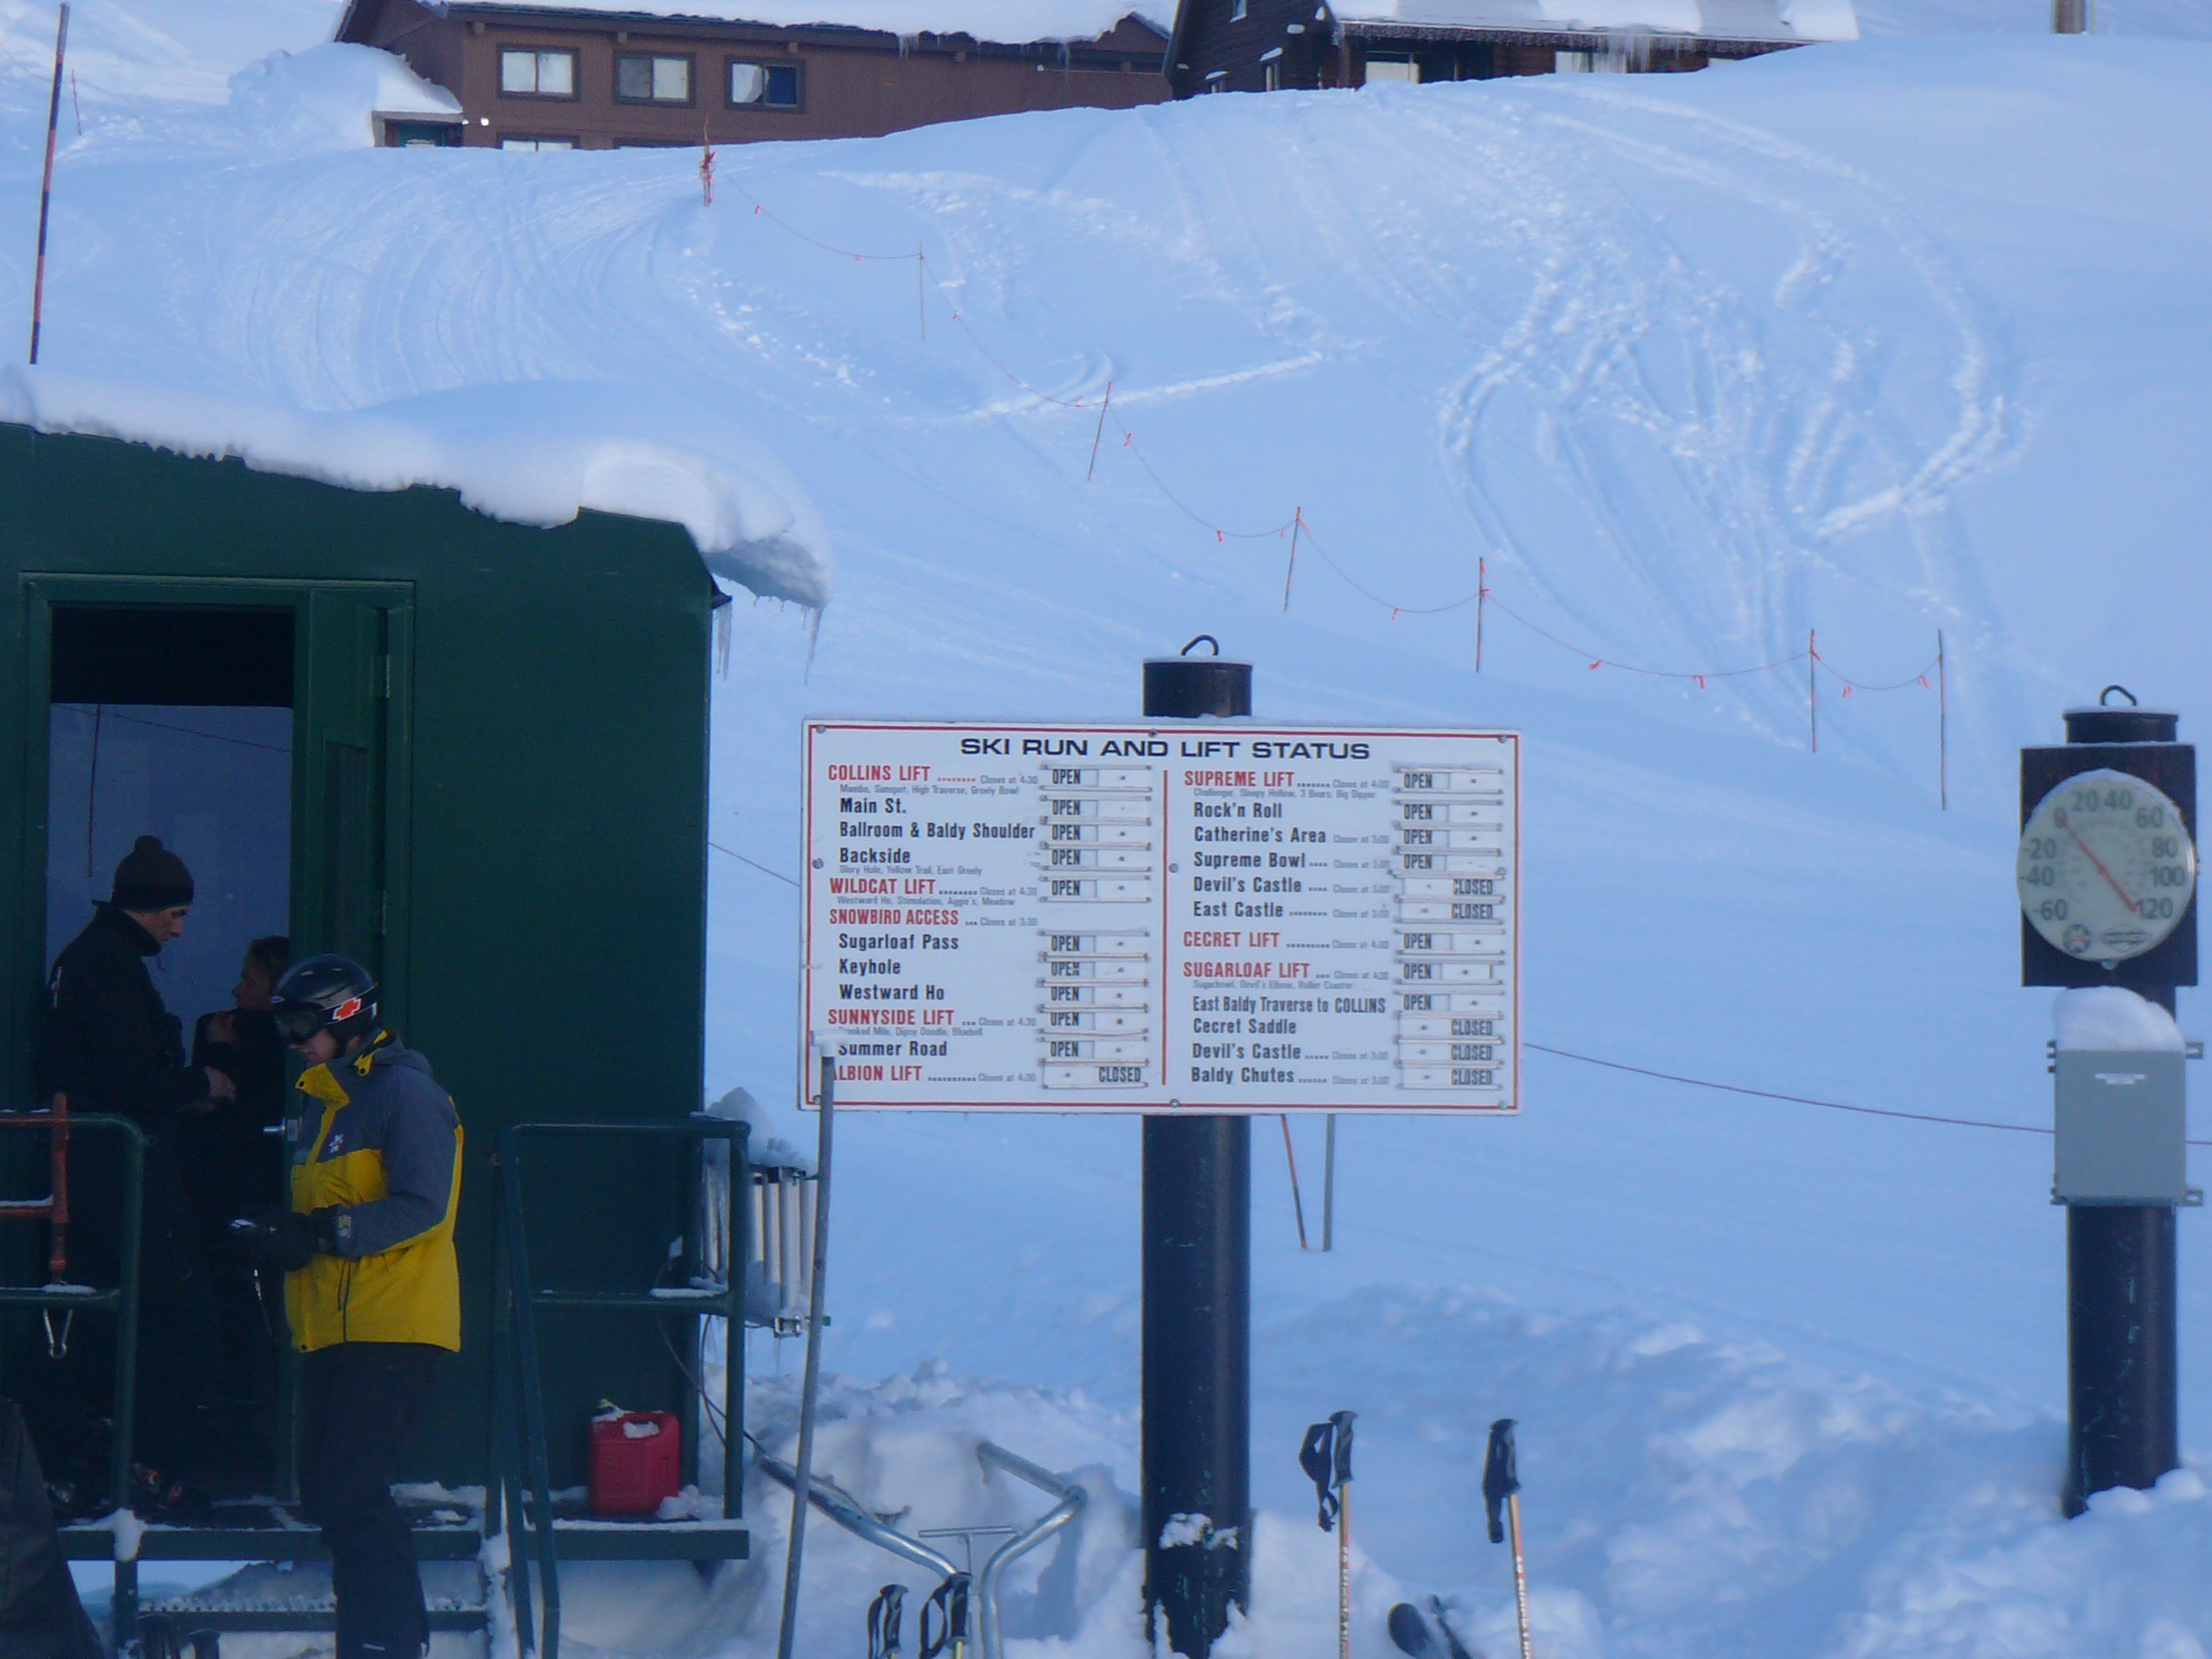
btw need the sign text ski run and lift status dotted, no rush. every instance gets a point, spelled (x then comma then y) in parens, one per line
(1144, 919)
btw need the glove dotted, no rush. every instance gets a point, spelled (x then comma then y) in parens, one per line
(287, 1239)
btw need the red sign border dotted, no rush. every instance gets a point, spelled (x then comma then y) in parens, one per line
(809, 1097)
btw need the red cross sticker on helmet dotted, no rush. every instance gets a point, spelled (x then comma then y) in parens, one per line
(345, 1010)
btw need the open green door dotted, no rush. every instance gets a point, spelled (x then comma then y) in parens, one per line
(349, 788)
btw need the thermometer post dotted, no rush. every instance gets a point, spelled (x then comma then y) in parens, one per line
(2108, 867)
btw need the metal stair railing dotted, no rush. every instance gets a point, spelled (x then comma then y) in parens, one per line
(519, 1495)
(1071, 1498)
(56, 1295)
(849, 1513)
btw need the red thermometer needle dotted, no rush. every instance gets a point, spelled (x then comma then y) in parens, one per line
(2094, 859)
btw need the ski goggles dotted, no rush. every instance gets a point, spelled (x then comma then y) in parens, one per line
(299, 1024)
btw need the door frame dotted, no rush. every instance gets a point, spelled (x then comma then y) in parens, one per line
(40, 592)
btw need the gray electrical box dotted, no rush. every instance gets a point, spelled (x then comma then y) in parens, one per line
(2122, 1125)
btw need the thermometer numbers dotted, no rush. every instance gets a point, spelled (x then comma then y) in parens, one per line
(2106, 867)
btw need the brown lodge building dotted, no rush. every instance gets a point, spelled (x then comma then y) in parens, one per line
(601, 74)
(1258, 46)
(591, 77)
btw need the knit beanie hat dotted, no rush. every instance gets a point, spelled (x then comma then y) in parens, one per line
(151, 877)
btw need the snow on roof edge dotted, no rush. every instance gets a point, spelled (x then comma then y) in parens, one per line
(1074, 22)
(1780, 22)
(515, 453)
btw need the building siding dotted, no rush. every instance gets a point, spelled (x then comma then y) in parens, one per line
(1216, 51)
(853, 83)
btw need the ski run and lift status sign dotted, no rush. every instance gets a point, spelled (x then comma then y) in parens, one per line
(1229, 918)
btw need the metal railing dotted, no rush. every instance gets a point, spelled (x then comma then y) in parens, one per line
(57, 1296)
(848, 1512)
(1071, 1498)
(520, 1484)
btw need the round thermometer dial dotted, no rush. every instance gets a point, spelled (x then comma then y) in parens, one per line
(2105, 868)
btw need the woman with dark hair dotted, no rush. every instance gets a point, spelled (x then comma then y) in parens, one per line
(233, 1166)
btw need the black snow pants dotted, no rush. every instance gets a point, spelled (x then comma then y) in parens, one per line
(360, 1405)
(39, 1615)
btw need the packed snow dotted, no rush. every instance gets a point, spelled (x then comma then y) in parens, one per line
(331, 96)
(1865, 342)
(160, 50)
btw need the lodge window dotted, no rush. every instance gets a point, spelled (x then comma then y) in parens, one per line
(419, 135)
(763, 86)
(529, 73)
(537, 144)
(660, 78)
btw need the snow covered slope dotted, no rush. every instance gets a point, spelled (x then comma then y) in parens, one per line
(159, 51)
(1873, 340)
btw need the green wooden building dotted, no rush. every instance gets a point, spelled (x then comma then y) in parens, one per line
(471, 753)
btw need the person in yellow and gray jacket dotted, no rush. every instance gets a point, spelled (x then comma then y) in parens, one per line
(371, 1287)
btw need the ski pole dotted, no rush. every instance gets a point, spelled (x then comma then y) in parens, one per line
(1501, 1488)
(1326, 1456)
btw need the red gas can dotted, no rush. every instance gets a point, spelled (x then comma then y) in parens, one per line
(637, 1459)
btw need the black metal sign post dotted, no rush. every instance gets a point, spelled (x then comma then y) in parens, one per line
(1197, 1450)
(2122, 1346)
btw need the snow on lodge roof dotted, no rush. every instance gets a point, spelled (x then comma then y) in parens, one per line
(1781, 20)
(1004, 21)
(529, 453)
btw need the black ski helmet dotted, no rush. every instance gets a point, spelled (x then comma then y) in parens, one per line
(333, 994)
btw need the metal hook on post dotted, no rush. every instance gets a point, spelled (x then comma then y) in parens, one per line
(57, 1348)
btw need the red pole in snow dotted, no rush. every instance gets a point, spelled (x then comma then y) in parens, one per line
(1482, 599)
(1813, 685)
(1298, 1203)
(1942, 729)
(45, 188)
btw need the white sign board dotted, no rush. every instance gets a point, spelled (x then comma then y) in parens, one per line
(1219, 918)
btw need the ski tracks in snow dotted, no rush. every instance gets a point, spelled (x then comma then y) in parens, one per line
(1641, 418)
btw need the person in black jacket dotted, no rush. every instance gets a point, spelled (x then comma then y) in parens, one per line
(111, 1047)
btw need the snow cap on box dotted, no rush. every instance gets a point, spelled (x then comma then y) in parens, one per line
(2113, 1017)
(766, 1148)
